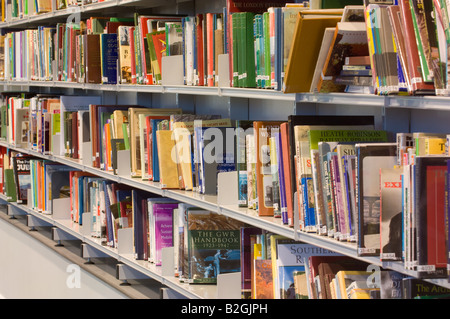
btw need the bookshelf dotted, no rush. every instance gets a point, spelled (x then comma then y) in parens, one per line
(392, 113)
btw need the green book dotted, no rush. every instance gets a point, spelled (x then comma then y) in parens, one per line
(126, 139)
(249, 71)
(267, 59)
(10, 185)
(235, 18)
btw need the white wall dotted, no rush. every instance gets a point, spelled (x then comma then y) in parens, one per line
(29, 269)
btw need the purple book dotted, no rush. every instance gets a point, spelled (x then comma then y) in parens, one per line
(163, 221)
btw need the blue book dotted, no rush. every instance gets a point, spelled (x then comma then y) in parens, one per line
(278, 18)
(109, 56)
(155, 158)
(281, 181)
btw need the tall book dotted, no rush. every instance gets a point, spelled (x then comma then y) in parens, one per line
(309, 31)
(430, 190)
(371, 157)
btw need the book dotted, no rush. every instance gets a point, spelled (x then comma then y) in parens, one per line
(371, 157)
(429, 187)
(327, 39)
(391, 213)
(350, 39)
(215, 155)
(163, 228)
(124, 43)
(134, 136)
(309, 31)
(348, 280)
(109, 53)
(168, 168)
(296, 120)
(414, 288)
(262, 133)
(21, 169)
(213, 246)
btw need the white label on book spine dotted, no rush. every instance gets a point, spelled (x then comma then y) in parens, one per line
(366, 250)
(424, 268)
(416, 80)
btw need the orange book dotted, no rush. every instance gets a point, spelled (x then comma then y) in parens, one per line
(263, 131)
(210, 48)
(284, 130)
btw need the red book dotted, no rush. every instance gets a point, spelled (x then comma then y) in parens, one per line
(200, 57)
(418, 85)
(430, 189)
(210, 49)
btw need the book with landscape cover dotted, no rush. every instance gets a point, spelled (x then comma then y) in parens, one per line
(213, 246)
(350, 39)
(371, 157)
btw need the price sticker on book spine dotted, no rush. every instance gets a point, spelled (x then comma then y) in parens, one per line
(366, 250)
(426, 268)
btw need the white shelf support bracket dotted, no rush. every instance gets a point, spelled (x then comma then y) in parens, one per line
(14, 211)
(88, 252)
(34, 222)
(125, 273)
(59, 235)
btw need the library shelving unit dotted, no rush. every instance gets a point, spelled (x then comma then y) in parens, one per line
(392, 113)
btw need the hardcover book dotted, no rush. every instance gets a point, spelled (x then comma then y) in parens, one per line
(429, 202)
(214, 246)
(371, 157)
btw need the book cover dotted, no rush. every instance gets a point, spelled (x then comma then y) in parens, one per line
(263, 283)
(429, 186)
(308, 32)
(124, 39)
(391, 284)
(21, 168)
(350, 39)
(93, 58)
(371, 157)
(215, 155)
(168, 168)
(109, 55)
(292, 257)
(163, 224)
(214, 246)
(391, 213)
(262, 133)
(246, 259)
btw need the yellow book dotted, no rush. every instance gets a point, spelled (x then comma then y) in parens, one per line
(119, 117)
(306, 44)
(133, 119)
(346, 278)
(435, 146)
(182, 132)
(168, 168)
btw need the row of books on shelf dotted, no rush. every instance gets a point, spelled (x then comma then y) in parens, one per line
(349, 49)
(19, 9)
(206, 244)
(338, 176)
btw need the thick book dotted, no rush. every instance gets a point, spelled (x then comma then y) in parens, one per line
(371, 157)
(93, 58)
(309, 33)
(430, 188)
